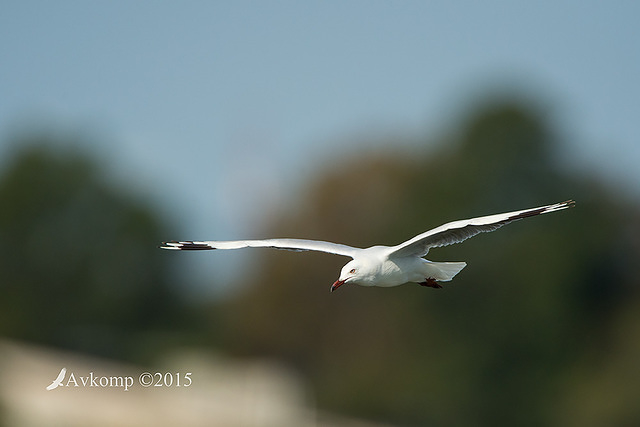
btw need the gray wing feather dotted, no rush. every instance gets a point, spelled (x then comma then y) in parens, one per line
(286, 244)
(459, 231)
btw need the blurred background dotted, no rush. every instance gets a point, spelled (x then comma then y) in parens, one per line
(123, 124)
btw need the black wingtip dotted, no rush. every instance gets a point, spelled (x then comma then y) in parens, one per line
(171, 244)
(185, 246)
(545, 209)
(562, 205)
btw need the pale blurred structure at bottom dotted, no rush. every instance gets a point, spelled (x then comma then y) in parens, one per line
(222, 392)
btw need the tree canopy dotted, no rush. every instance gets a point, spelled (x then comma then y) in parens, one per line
(541, 328)
(513, 340)
(78, 259)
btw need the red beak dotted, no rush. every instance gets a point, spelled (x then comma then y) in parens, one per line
(337, 284)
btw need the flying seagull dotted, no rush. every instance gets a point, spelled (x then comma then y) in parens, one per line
(388, 266)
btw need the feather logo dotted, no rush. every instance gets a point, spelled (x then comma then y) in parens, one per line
(58, 381)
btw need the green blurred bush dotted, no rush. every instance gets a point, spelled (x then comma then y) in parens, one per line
(78, 260)
(531, 333)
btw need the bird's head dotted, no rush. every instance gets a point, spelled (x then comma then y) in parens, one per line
(353, 272)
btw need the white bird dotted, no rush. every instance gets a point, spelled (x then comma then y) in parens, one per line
(387, 266)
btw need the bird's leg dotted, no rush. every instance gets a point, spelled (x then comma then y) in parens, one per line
(431, 283)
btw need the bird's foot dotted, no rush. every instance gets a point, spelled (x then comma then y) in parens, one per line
(431, 283)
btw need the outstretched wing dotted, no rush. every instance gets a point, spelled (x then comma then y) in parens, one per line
(286, 244)
(458, 231)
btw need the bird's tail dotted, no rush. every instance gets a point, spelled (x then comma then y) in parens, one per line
(445, 271)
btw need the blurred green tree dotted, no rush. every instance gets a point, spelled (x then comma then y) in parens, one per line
(78, 259)
(492, 348)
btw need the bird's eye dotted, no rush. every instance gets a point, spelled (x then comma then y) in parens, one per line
(353, 270)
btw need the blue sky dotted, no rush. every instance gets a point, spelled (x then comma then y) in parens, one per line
(221, 106)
